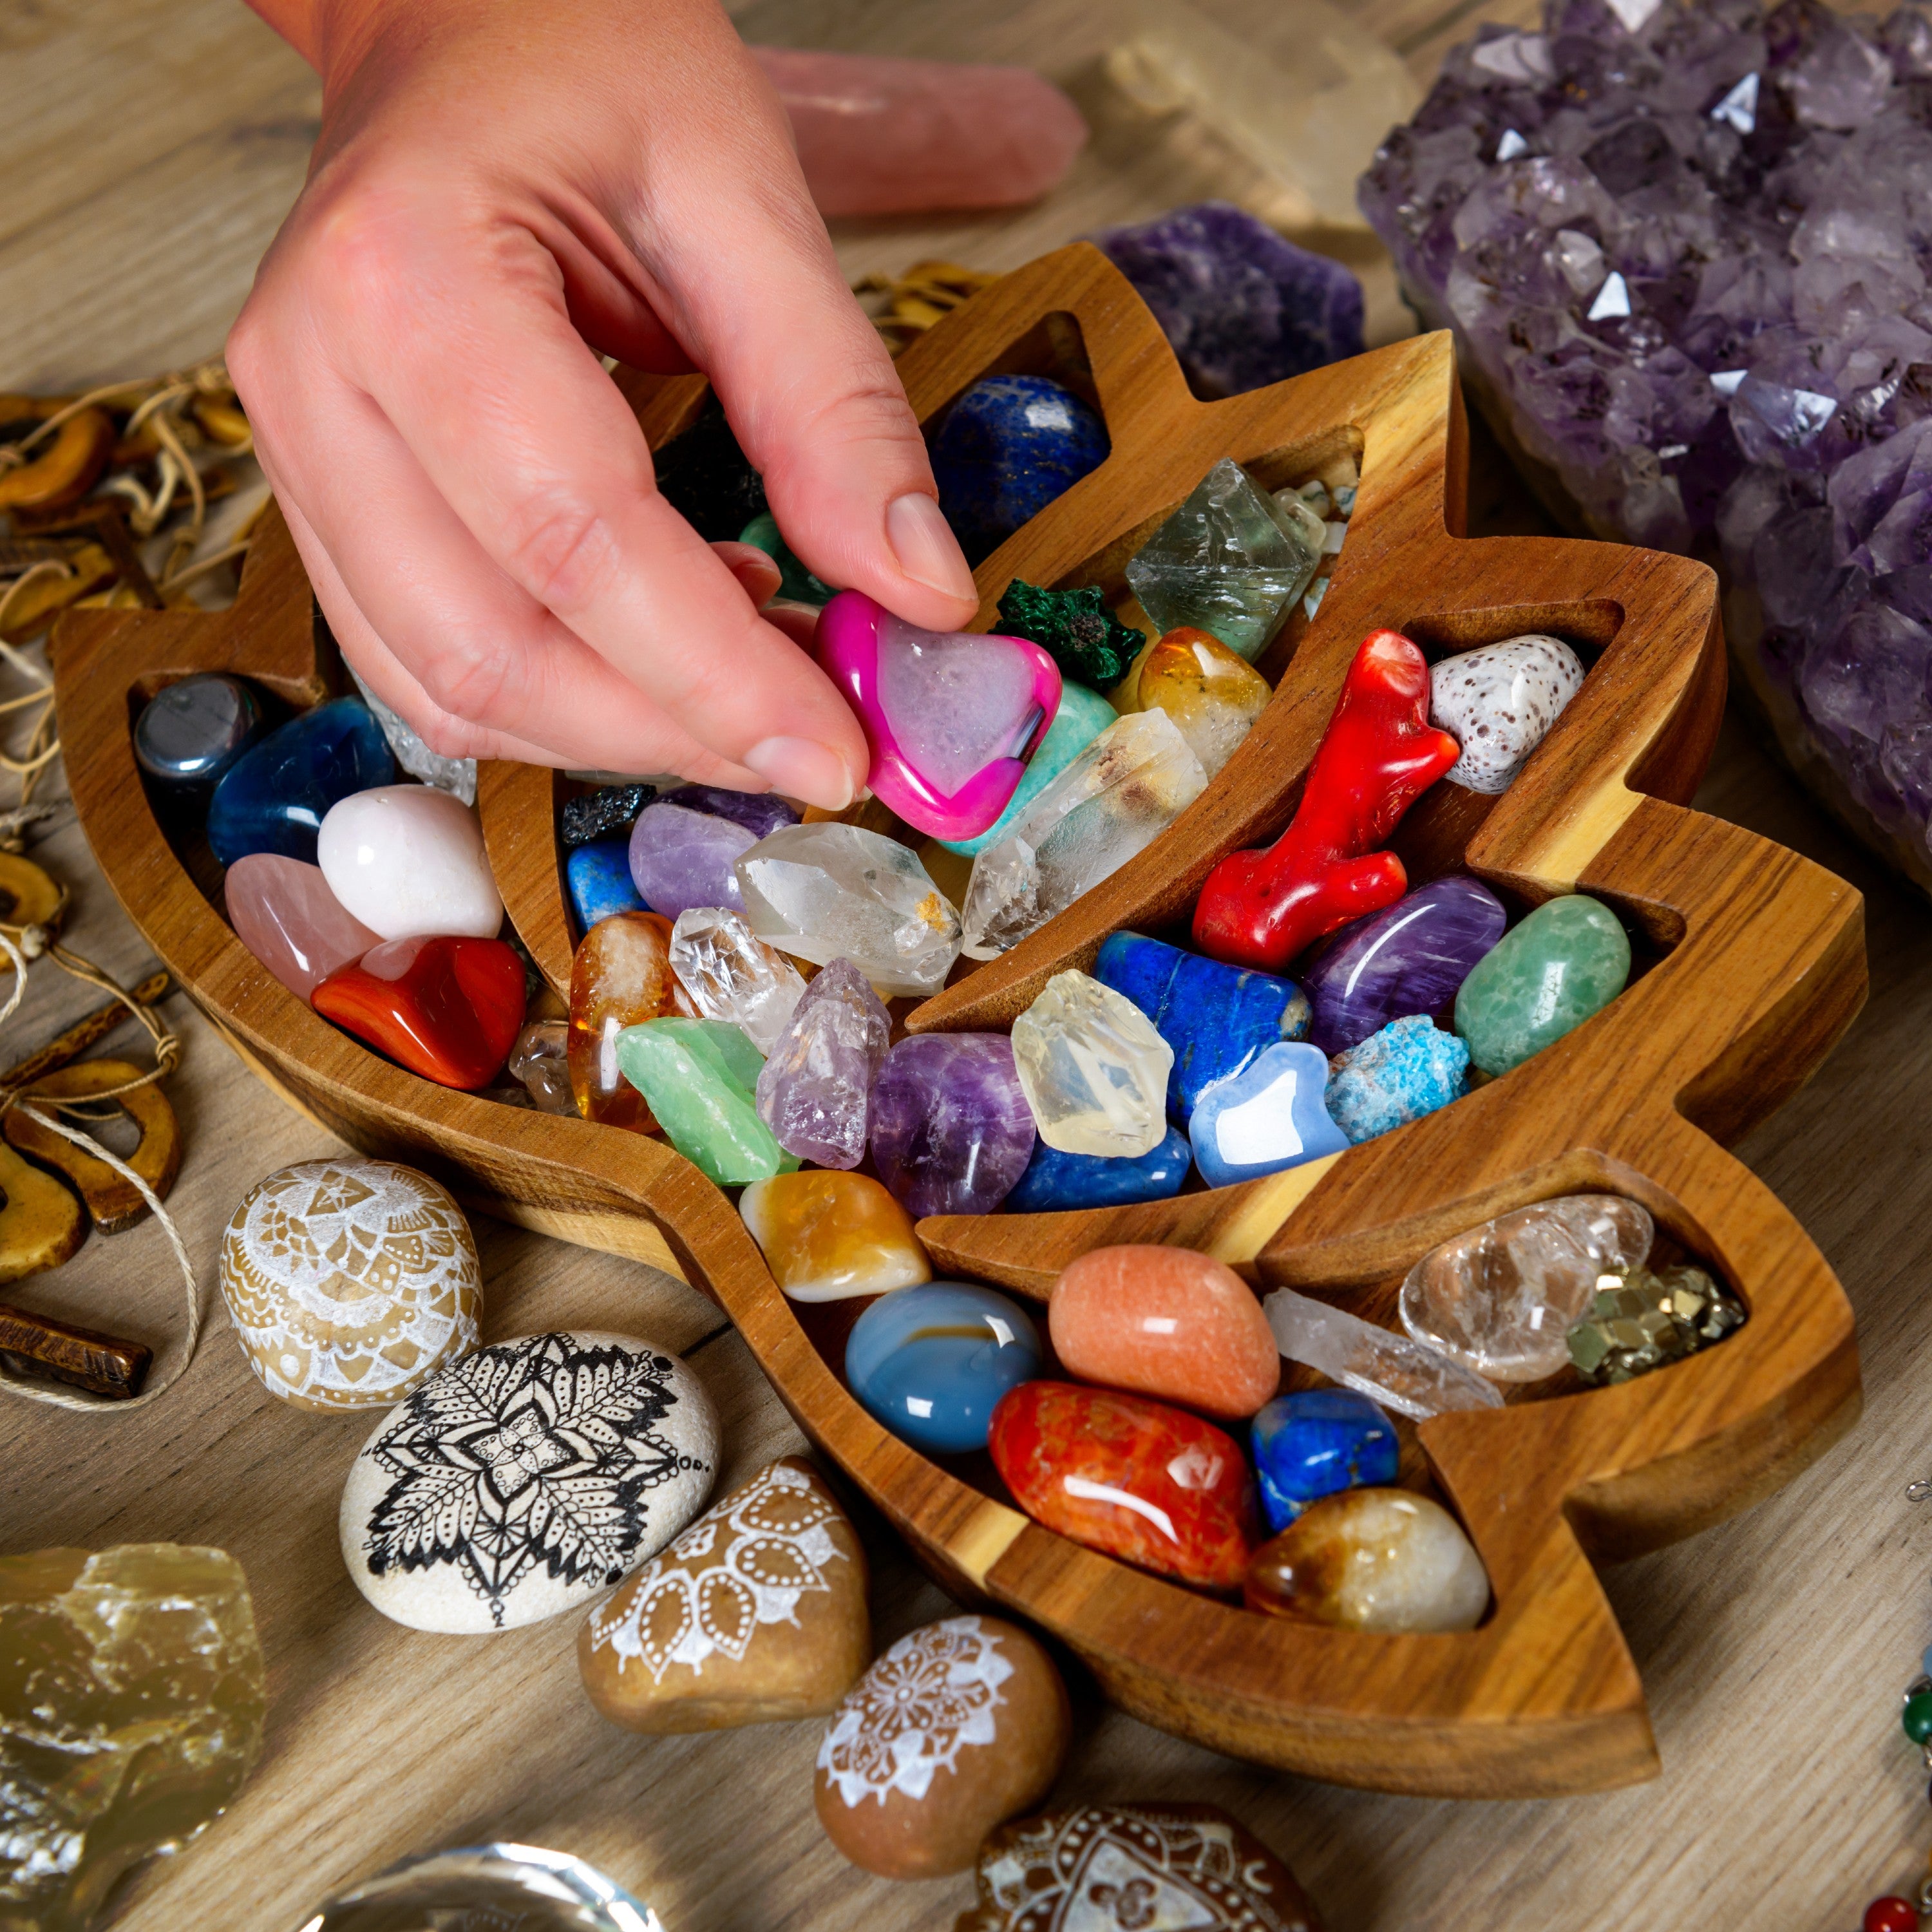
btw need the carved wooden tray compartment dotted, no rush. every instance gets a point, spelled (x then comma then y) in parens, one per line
(1753, 963)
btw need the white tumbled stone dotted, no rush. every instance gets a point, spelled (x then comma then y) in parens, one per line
(409, 861)
(1497, 702)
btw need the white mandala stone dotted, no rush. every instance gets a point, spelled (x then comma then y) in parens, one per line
(526, 1479)
(349, 1282)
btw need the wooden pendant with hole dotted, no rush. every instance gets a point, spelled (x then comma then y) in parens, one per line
(1753, 965)
(112, 1199)
(29, 896)
(41, 1224)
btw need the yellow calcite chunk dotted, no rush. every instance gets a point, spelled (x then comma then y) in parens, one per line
(1213, 695)
(132, 1698)
(826, 1235)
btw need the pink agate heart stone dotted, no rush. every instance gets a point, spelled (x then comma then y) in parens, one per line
(951, 716)
(283, 911)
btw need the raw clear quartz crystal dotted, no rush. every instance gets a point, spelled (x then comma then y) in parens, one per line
(1403, 1375)
(1502, 1298)
(828, 891)
(733, 975)
(541, 1059)
(457, 775)
(1114, 799)
(1093, 1069)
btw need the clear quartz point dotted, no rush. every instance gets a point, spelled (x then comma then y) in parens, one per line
(732, 975)
(1405, 1376)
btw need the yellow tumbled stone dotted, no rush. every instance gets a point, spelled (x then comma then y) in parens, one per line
(1213, 695)
(827, 1235)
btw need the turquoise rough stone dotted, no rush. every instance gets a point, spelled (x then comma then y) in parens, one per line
(1082, 716)
(1568, 960)
(932, 1363)
(1410, 1068)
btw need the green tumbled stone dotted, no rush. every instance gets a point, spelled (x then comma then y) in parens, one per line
(795, 581)
(1568, 960)
(1917, 1718)
(1082, 716)
(698, 1077)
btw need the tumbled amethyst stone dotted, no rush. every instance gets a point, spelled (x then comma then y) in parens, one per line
(1408, 958)
(952, 1131)
(680, 858)
(760, 813)
(816, 1083)
(1242, 306)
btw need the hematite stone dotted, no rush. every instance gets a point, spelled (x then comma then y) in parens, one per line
(605, 813)
(1005, 450)
(189, 734)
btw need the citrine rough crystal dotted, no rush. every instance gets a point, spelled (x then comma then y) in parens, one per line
(132, 1697)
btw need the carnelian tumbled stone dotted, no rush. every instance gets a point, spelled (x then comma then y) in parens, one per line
(448, 1009)
(1166, 1322)
(1152, 1485)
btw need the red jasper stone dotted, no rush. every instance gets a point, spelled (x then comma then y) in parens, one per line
(1378, 755)
(1142, 1481)
(448, 1009)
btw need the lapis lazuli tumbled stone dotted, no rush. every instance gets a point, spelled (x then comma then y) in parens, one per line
(1315, 1443)
(1005, 450)
(1270, 1115)
(1054, 1181)
(276, 795)
(1216, 1018)
(598, 875)
(932, 1363)
(189, 734)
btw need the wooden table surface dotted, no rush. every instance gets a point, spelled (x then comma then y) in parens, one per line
(149, 148)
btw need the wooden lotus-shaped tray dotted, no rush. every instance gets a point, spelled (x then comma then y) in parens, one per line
(1750, 963)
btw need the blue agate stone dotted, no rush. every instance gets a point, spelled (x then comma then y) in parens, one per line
(190, 733)
(1054, 1180)
(1410, 1068)
(1269, 1116)
(277, 793)
(1005, 450)
(932, 1363)
(599, 878)
(1216, 1017)
(1316, 1443)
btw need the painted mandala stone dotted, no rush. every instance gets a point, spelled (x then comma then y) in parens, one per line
(1154, 1867)
(349, 1282)
(755, 1615)
(526, 1480)
(957, 1728)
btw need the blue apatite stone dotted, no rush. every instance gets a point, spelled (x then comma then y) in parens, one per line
(1316, 1443)
(1054, 1181)
(932, 1363)
(1410, 1068)
(1216, 1017)
(1269, 1116)
(599, 878)
(277, 793)
(1082, 716)
(190, 734)
(1005, 450)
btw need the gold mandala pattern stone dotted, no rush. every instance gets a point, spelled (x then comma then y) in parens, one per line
(350, 1282)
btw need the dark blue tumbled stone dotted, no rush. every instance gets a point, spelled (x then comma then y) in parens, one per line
(1316, 1443)
(1054, 1181)
(277, 792)
(760, 813)
(1005, 450)
(190, 733)
(1216, 1017)
(599, 878)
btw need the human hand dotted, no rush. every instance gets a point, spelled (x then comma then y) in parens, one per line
(497, 196)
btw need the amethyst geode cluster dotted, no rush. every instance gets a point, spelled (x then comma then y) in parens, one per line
(1685, 249)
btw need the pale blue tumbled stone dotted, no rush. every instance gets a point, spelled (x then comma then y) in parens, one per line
(1269, 1116)
(1410, 1068)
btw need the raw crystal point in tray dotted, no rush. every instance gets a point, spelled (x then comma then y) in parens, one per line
(457, 776)
(1681, 259)
(1400, 1374)
(814, 1089)
(733, 976)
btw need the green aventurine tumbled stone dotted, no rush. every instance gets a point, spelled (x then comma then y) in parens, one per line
(1232, 560)
(698, 1077)
(1568, 960)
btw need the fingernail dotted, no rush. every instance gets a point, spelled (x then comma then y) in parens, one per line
(927, 550)
(802, 768)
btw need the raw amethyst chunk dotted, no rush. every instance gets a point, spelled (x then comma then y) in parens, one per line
(952, 1131)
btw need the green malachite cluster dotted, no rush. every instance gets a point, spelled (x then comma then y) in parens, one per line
(1089, 644)
(699, 1077)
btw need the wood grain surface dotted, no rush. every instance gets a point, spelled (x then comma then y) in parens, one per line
(1772, 1647)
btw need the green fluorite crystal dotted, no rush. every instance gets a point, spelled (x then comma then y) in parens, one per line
(1568, 959)
(1232, 560)
(131, 1703)
(1075, 628)
(698, 1077)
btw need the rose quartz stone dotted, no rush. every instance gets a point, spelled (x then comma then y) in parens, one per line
(880, 136)
(1166, 1322)
(284, 913)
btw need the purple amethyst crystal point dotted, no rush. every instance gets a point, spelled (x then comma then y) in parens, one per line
(952, 1131)
(814, 1088)
(1242, 306)
(760, 813)
(1409, 958)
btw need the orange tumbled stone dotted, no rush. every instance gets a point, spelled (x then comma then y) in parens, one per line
(827, 1235)
(1214, 695)
(621, 976)
(1165, 1322)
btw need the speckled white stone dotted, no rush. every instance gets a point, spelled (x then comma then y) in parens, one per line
(1498, 702)
(408, 860)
